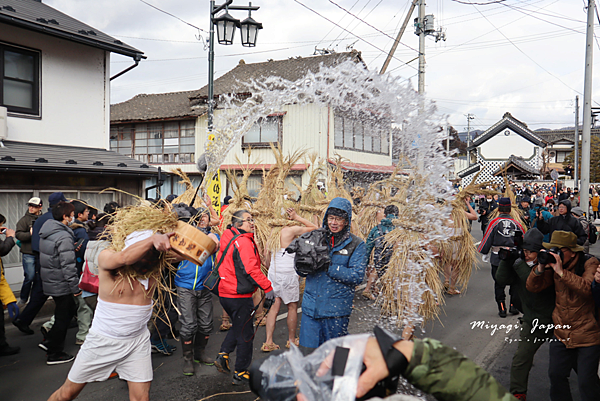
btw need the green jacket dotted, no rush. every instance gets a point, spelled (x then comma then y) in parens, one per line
(448, 375)
(538, 305)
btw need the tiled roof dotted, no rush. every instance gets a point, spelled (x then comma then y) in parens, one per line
(508, 121)
(291, 69)
(193, 103)
(37, 16)
(551, 136)
(24, 156)
(519, 163)
(366, 168)
(156, 106)
(469, 170)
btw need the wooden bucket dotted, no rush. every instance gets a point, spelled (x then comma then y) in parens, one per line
(192, 244)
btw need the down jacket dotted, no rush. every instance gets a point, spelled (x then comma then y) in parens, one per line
(574, 301)
(57, 259)
(240, 271)
(329, 294)
(566, 222)
(22, 232)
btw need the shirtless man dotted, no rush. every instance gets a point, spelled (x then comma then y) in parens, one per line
(284, 279)
(119, 339)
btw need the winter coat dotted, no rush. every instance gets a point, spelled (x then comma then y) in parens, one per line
(447, 374)
(574, 301)
(377, 233)
(35, 236)
(240, 271)
(329, 293)
(6, 294)
(23, 234)
(499, 233)
(535, 305)
(566, 222)
(57, 259)
(80, 232)
(594, 203)
(192, 276)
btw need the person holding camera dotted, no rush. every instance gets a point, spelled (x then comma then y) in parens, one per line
(576, 329)
(537, 310)
(485, 210)
(501, 234)
(564, 221)
(328, 294)
(240, 278)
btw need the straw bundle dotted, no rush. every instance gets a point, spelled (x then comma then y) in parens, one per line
(515, 213)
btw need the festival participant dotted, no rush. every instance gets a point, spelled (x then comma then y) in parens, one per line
(240, 277)
(119, 339)
(576, 329)
(23, 234)
(285, 281)
(7, 298)
(537, 310)
(500, 234)
(375, 241)
(564, 221)
(328, 295)
(195, 305)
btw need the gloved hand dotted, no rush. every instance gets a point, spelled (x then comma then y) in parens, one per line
(13, 310)
(269, 299)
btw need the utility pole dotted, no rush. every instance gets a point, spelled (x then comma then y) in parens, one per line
(587, 110)
(576, 176)
(469, 118)
(421, 22)
(387, 61)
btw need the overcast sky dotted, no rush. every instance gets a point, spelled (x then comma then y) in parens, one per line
(525, 57)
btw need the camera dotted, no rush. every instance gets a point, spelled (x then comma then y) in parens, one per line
(513, 252)
(544, 256)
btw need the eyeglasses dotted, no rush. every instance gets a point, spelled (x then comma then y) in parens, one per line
(335, 219)
(249, 220)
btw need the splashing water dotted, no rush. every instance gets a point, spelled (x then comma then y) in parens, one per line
(380, 101)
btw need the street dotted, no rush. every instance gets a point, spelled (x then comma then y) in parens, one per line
(26, 376)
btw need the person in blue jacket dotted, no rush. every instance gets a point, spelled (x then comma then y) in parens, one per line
(328, 294)
(195, 304)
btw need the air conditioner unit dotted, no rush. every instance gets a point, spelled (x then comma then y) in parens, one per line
(3, 123)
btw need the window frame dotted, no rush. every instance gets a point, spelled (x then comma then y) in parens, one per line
(151, 129)
(372, 132)
(35, 110)
(279, 117)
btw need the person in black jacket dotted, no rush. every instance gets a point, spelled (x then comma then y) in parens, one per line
(565, 221)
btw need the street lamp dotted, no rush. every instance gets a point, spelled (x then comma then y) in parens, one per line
(226, 25)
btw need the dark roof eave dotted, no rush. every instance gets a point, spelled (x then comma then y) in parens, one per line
(69, 36)
(176, 118)
(66, 170)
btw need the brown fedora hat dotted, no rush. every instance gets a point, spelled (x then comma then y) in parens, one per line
(563, 239)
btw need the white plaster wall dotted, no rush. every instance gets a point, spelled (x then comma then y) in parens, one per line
(74, 92)
(502, 146)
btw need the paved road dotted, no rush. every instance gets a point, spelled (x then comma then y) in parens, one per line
(26, 376)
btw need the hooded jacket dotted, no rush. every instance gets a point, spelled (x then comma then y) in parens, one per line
(192, 276)
(57, 259)
(377, 233)
(564, 222)
(22, 232)
(35, 235)
(240, 270)
(329, 293)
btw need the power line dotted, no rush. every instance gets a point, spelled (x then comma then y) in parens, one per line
(541, 19)
(366, 23)
(358, 37)
(174, 16)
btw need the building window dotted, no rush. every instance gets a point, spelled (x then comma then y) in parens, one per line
(560, 156)
(164, 142)
(365, 136)
(265, 131)
(20, 72)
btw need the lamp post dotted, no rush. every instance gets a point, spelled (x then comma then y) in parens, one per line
(226, 25)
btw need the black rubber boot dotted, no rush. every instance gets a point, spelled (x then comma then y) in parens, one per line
(501, 309)
(513, 310)
(200, 355)
(188, 364)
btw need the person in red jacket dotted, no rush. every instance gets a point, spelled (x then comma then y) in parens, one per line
(240, 277)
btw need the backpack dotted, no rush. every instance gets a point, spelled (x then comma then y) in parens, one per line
(593, 234)
(382, 253)
(311, 252)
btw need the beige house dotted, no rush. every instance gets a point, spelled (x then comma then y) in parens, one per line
(170, 129)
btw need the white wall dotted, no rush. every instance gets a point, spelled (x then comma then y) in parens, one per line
(74, 92)
(501, 146)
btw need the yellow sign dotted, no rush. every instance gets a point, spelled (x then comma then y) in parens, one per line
(214, 191)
